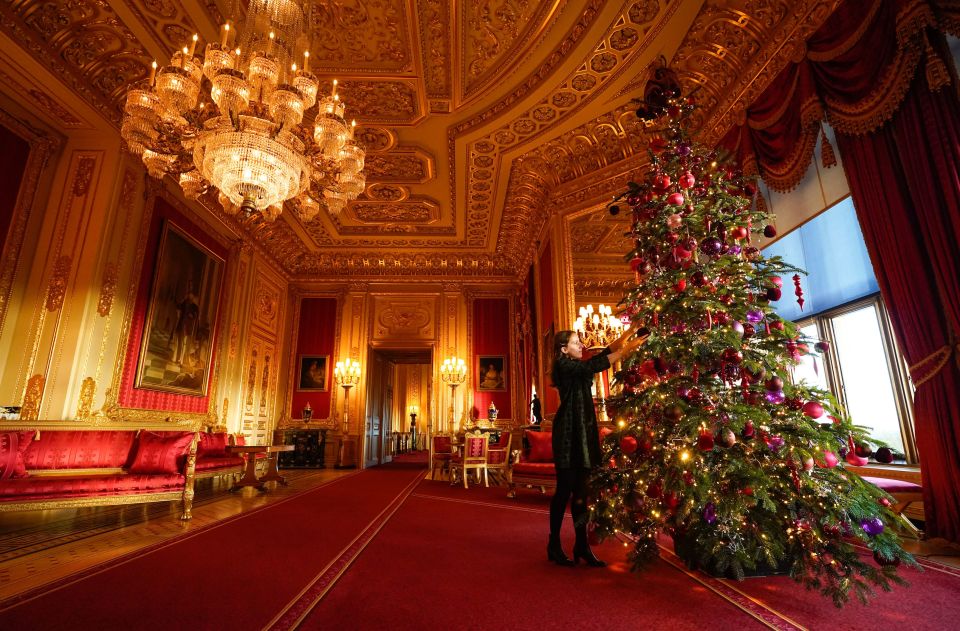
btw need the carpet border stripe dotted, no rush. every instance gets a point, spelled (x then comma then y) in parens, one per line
(291, 616)
(85, 573)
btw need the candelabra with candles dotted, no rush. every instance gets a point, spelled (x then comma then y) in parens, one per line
(453, 372)
(597, 329)
(234, 120)
(347, 375)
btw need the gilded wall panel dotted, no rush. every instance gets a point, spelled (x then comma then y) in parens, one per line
(408, 317)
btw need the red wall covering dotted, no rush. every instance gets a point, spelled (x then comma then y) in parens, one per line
(550, 398)
(13, 161)
(132, 397)
(316, 336)
(491, 336)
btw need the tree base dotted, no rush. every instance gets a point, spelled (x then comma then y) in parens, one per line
(688, 551)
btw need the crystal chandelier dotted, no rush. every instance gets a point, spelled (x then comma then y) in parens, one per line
(235, 121)
(597, 329)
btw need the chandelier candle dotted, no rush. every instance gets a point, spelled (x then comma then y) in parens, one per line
(232, 124)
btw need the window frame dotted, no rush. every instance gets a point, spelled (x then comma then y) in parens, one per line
(896, 365)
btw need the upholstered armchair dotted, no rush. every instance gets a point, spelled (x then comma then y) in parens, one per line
(473, 456)
(440, 453)
(498, 457)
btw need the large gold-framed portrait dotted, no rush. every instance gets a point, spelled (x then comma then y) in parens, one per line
(177, 344)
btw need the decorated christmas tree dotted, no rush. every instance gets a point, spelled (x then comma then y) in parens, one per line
(714, 443)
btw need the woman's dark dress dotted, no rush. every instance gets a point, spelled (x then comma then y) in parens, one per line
(576, 441)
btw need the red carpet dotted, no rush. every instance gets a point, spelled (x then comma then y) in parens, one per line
(238, 574)
(413, 457)
(443, 561)
(378, 550)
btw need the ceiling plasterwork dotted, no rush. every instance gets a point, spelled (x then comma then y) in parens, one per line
(372, 36)
(481, 118)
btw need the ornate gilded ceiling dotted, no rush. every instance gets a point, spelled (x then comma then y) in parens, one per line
(481, 118)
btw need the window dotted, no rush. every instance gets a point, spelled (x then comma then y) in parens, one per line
(862, 367)
(864, 370)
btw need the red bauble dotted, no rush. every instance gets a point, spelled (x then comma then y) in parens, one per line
(813, 409)
(635, 263)
(661, 182)
(739, 233)
(680, 286)
(676, 199)
(705, 441)
(681, 253)
(732, 355)
(769, 231)
(628, 445)
(687, 478)
(777, 325)
(884, 501)
(654, 490)
(884, 561)
(687, 180)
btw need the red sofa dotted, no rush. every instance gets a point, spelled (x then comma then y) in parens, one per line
(54, 468)
(212, 457)
(533, 466)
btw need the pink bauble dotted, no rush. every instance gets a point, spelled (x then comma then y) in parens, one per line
(674, 221)
(813, 409)
(830, 459)
(808, 464)
(676, 199)
(687, 180)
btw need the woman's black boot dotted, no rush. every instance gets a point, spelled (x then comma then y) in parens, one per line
(581, 550)
(555, 552)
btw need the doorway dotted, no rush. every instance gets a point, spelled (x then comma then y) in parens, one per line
(398, 410)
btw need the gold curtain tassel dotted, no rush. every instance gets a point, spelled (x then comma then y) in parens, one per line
(937, 74)
(827, 156)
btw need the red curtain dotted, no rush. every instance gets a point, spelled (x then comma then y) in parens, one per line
(906, 186)
(316, 336)
(491, 341)
(879, 71)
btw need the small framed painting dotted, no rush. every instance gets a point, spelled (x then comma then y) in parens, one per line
(313, 373)
(491, 373)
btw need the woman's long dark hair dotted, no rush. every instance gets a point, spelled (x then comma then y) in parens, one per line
(561, 339)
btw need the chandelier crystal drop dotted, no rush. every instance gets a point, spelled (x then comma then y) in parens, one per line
(241, 121)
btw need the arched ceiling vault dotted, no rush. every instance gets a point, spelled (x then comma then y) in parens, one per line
(481, 118)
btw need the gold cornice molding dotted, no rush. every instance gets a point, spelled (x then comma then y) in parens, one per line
(84, 44)
(731, 56)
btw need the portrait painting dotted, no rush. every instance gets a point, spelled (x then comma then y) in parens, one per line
(547, 355)
(313, 373)
(491, 373)
(177, 346)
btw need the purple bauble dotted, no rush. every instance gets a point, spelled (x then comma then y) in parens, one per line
(775, 442)
(754, 316)
(711, 246)
(683, 150)
(737, 326)
(709, 513)
(775, 396)
(873, 526)
(734, 249)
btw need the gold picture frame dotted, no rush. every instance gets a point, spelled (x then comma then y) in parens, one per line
(176, 349)
(491, 373)
(313, 374)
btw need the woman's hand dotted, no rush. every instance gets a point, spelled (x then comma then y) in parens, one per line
(624, 345)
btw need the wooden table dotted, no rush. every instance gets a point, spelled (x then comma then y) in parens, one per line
(250, 474)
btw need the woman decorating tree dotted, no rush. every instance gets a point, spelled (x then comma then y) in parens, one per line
(576, 440)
